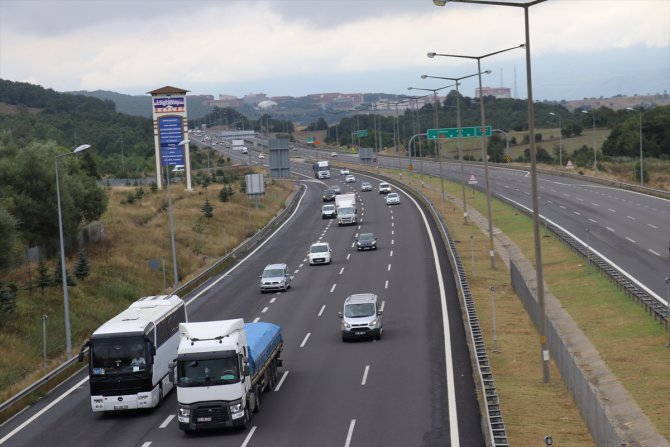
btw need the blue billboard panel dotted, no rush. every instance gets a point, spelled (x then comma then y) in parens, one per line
(170, 131)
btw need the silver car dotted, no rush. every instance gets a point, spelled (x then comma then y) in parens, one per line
(361, 317)
(275, 277)
(366, 186)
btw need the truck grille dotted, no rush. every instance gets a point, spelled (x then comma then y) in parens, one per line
(217, 413)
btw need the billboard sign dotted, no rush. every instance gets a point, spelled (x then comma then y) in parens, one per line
(169, 104)
(170, 130)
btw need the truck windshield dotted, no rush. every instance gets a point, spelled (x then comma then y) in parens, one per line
(359, 310)
(346, 210)
(204, 372)
(118, 355)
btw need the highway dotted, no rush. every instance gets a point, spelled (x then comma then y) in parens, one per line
(412, 388)
(630, 229)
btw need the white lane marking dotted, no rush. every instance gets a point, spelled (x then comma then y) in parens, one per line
(295, 271)
(43, 410)
(393, 224)
(353, 243)
(391, 215)
(304, 341)
(333, 288)
(386, 284)
(147, 444)
(575, 212)
(610, 209)
(392, 242)
(594, 221)
(652, 251)
(391, 254)
(341, 270)
(281, 380)
(349, 255)
(273, 300)
(612, 230)
(382, 306)
(359, 227)
(257, 319)
(302, 263)
(629, 239)
(350, 433)
(322, 309)
(239, 264)
(594, 204)
(581, 200)
(652, 226)
(630, 217)
(392, 232)
(248, 438)
(365, 375)
(167, 421)
(265, 309)
(388, 269)
(561, 207)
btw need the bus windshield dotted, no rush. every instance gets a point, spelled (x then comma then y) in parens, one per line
(205, 372)
(119, 355)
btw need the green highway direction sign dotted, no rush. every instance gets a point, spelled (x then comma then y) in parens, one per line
(310, 140)
(363, 133)
(452, 132)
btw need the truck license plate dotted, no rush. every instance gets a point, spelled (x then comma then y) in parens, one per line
(205, 419)
(120, 407)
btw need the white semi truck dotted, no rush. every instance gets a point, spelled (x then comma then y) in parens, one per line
(345, 206)
(222, 369)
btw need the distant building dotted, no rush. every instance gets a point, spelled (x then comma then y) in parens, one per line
(341, 100)
(255, 98)
(496, 92)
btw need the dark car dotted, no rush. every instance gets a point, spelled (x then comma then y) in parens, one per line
(329, 195)
(366, 241)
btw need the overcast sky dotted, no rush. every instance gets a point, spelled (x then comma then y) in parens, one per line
(579, 48)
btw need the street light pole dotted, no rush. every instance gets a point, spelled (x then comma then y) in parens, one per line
(641, 159)
(485, 157)
(542, 323)
(460, 135)
(437, 127)
(66, 301)
(560, 138)
(595, 158)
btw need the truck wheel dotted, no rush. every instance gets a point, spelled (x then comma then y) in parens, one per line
(247, 416)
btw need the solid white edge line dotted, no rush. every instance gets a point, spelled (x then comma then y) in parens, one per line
(449, 365)
(350, 433)
(248, 438)
(167, 421)
(281, 381)
(44, 410)
(622, 271)
(236, 266)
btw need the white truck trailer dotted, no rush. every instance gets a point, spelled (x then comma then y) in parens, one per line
(222, 369)
(345, 205)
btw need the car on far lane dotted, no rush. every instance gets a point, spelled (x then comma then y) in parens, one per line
(366, 186)
(384, 188)
(333, 154)
(261, 156)
(366, 241)
(336, 188)
(392, 198)
(329, 195)
(344, 171)
(350, 179)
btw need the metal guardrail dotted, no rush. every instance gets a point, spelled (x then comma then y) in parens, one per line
(651, 305)
(184, 289)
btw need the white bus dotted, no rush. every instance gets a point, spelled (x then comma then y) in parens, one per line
(129, 355)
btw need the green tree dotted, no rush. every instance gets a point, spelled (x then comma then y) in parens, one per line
(224, 195)
(43, 278)
(8, 239)
(207, 209)
(81, 267)
(58, 275)
(7, 302)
